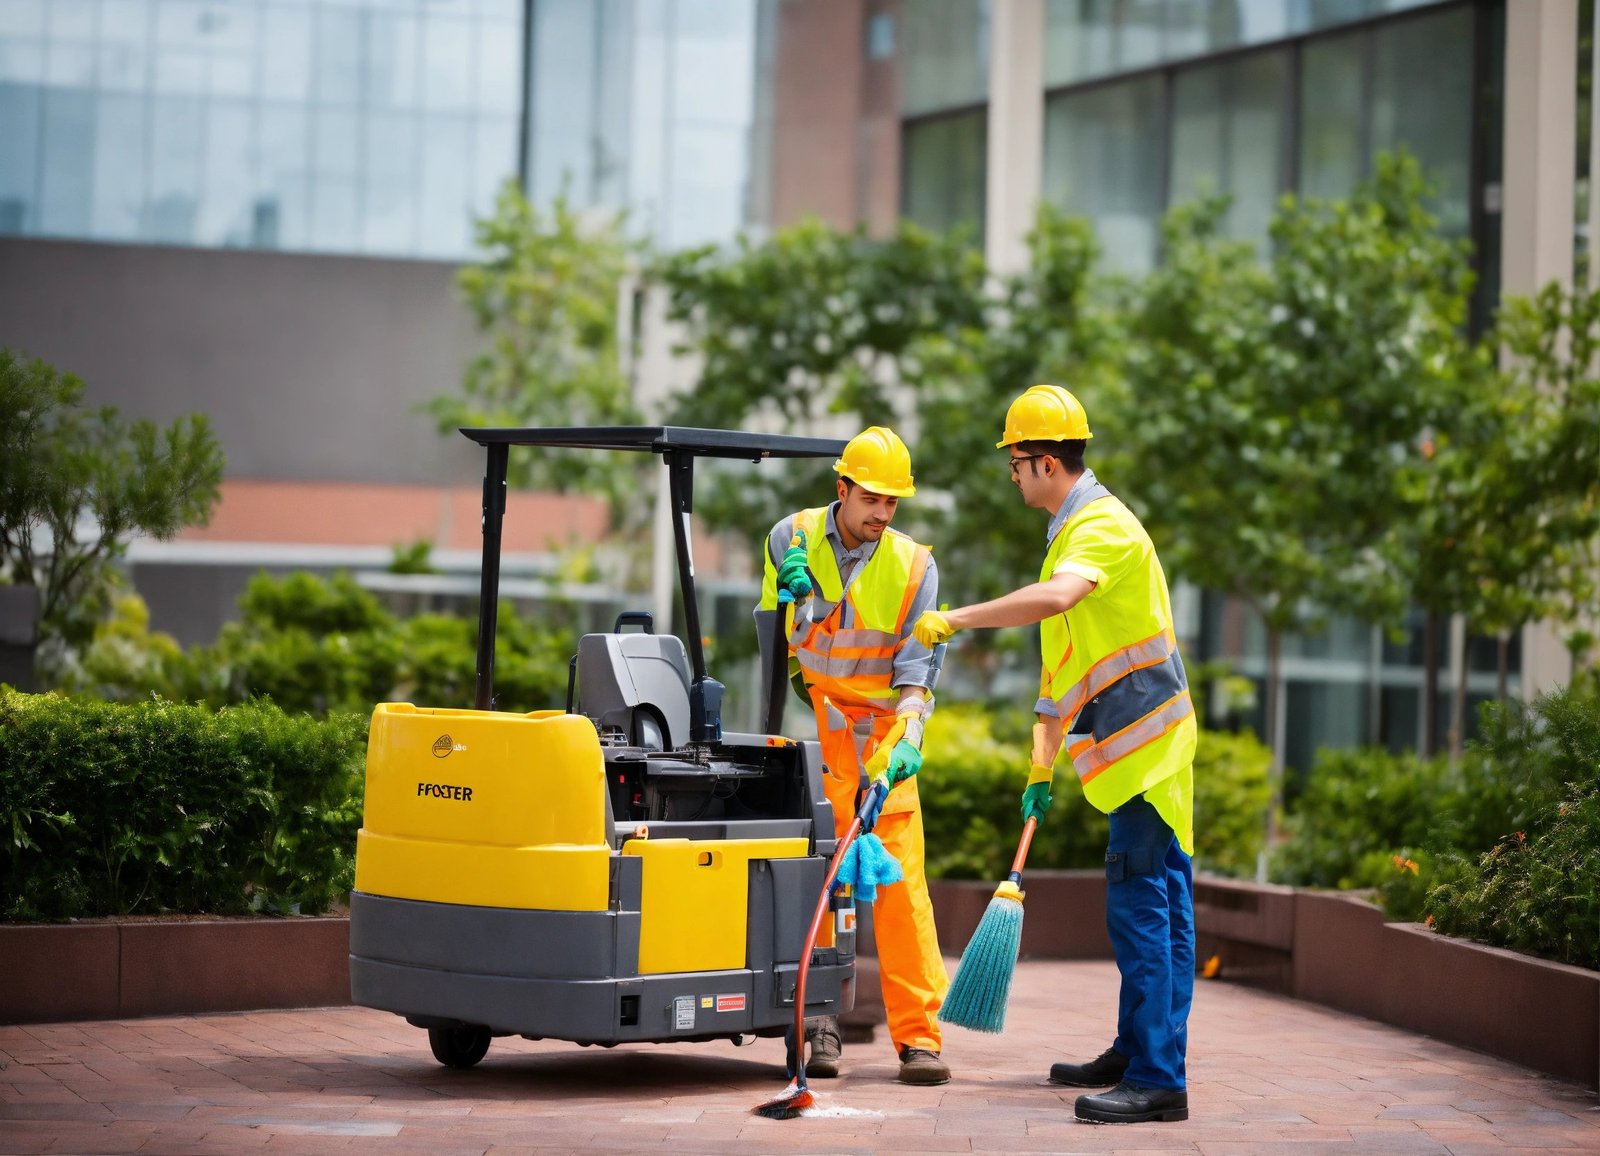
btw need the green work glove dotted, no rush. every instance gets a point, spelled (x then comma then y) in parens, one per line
(792, 574)
(1035, 801)
(904, 761)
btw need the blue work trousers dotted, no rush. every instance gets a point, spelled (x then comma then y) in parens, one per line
(1150, 915)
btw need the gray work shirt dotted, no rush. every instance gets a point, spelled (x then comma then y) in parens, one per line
(913, 662)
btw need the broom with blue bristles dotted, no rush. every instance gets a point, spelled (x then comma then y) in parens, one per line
(978, 994)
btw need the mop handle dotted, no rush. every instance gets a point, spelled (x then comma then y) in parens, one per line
(1028, 829)
(811, 942)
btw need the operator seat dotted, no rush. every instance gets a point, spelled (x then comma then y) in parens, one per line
(636, 683)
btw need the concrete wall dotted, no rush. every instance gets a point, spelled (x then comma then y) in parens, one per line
(308, 366)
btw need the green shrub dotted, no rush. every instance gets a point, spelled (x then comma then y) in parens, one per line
(158, 806)
(1231, 793)
(977, 766)
(1537, 889)
(1358, 809)
(324, 645)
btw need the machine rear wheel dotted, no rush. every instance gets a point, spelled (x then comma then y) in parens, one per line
(459, 1047)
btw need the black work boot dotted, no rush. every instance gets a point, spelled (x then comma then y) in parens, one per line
(1130, 1104)
(1101, 1072)
(822, 1038)
(920, 1066)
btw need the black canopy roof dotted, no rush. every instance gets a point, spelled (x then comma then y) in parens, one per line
(661, 439)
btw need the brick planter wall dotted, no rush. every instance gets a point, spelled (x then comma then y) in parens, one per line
(115, 970)
(1328, 948)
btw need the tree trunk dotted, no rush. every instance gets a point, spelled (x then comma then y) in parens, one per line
(1275, 736)
(1502, 667)
(1430, 686)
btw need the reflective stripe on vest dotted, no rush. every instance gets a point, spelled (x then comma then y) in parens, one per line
(849, 655)
(1114, 666)
(1098, 756)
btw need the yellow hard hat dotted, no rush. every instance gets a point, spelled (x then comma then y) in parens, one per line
(1045, 413)
(878, 460)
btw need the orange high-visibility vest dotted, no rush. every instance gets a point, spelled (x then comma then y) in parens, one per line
(849, 656)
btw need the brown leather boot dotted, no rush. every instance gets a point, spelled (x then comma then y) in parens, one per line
(824, 1047)
(920, 1066)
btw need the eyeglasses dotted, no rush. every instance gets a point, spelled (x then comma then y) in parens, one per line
(1015, 462)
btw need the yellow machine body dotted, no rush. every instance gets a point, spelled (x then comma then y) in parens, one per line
(695, 899)
(486, 809)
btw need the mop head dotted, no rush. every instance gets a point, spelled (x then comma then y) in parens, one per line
(977, 996)
(866, 866)
(794, 1100)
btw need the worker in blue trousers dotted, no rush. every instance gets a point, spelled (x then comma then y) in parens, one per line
(1114, 693)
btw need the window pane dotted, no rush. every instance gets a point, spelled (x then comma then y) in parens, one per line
(944, 167)
(395, 47)
(1197, 134)
(286, 54)
(1079, 40)
(1330, 118)
(22, 17)
(119, 167)
(499, 67)
(446, 185)
(225, 213)
(447, 64)
(946, 54)
(393, 185)
(1258, 90)
(1103, 160)
(282, 213)
(175, 135)
(66, 183)
(19, 157)
(340, 48)
(1422, 101)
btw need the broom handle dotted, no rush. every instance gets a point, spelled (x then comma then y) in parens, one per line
(1028, 829)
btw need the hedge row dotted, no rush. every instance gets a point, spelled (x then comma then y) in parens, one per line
(113, 809)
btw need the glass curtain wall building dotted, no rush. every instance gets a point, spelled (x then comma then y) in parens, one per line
(378, 127)
(1148, 103)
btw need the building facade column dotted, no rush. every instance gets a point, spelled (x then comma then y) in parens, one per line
(1015, 130)
(1539, 190)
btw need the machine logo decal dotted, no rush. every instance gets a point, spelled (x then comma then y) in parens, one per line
(730, 1003)
(683, 1013)
(444, 791)
(442, 746)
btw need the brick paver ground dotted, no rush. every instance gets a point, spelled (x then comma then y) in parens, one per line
(1267, 1076)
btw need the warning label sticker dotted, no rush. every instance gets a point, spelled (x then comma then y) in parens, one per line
(683, 1013)
(730, 1003)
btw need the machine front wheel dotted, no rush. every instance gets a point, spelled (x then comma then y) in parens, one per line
(459, 1047)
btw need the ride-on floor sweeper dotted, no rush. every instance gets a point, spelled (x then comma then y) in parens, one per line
(623, 870)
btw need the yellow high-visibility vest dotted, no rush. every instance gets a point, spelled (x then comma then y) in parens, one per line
(1111, 664)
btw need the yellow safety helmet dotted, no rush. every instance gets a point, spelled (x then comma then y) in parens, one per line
(878, 460)
(1045, 413)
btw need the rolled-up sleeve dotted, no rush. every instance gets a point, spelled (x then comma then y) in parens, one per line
(913, 662)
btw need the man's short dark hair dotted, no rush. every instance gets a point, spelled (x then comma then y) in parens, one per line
(1068, 453)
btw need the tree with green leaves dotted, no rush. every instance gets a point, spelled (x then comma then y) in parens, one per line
(811, 324)
(1054, 321)
(77, 484)
(1277, 410)
(545, 298)
(1507, 529)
